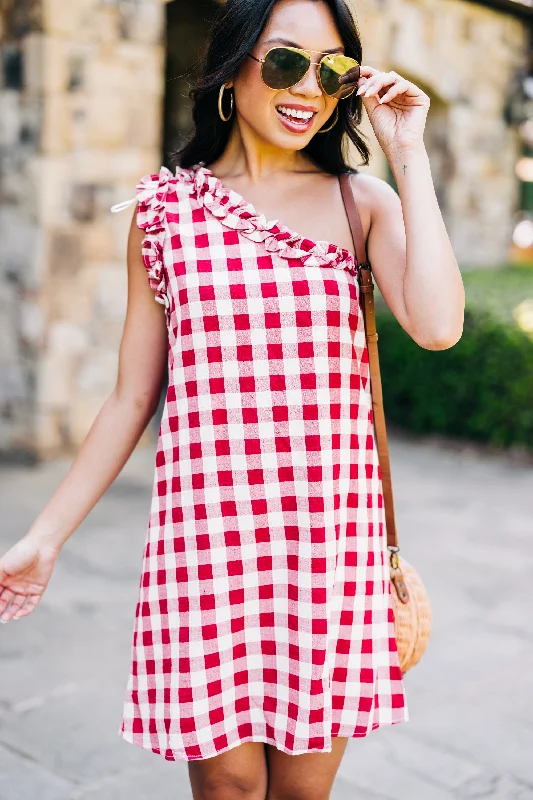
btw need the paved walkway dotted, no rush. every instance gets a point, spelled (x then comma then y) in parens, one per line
(465, 521)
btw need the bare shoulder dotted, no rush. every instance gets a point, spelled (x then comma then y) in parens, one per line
(375, 198)
(372, 192)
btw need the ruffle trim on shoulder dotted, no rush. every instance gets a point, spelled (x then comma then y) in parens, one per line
(235, 212)
(151, 196)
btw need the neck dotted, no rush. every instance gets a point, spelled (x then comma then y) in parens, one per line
(247, 154)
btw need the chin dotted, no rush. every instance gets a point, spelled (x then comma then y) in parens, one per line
(285, 140)
(290, 143)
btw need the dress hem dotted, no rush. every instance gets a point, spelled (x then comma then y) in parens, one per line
(178, 756)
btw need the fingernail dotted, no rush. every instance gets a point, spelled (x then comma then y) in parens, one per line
(361, 89)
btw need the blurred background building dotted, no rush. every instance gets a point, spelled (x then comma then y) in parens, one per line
(93, 94)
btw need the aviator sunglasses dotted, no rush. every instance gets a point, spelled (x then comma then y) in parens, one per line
(284, 67)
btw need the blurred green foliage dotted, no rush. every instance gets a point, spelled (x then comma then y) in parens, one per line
(498, 291)
(481, 388)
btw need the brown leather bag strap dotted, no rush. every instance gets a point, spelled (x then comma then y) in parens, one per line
(367, 291)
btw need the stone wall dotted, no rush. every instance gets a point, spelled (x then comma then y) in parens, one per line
(103, 91)
(81, 119)
(464, 56)
(20, 233)
(77, 132)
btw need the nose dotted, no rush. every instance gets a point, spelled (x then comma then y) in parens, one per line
(309, 85)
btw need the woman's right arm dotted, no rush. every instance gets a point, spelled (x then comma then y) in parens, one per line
(26, 568)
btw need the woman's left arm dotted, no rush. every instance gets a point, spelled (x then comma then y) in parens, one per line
(408, 245)
(408, 239)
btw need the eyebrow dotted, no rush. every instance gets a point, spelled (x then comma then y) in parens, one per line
(287, 42)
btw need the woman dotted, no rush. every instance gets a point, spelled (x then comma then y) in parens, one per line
(264, 628)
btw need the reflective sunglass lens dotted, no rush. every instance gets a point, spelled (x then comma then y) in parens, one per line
(331, 69)
(284, 68)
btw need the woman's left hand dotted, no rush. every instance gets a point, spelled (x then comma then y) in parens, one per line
(397, 109)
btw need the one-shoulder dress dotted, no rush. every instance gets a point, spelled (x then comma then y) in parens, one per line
(264, 609)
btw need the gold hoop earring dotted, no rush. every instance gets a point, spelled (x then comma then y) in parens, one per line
(325, 130)
(220, 110)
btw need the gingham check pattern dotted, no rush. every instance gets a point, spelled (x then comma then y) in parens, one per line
(264, 609)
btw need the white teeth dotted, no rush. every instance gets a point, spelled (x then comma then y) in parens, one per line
(296, 113)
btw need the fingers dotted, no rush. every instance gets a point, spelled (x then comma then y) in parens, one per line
(6, 596)
(377, 82)
(28, 605)
(367, 71)
(12, 605)
(399, 88)
(15, 605)
(352, 75)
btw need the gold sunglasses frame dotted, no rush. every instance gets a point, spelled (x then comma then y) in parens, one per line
(311, 63)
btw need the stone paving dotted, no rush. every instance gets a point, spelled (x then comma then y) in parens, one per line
(465, 521)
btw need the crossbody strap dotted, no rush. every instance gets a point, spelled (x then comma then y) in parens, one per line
(366, 285)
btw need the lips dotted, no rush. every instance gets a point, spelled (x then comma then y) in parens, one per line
(297, 119)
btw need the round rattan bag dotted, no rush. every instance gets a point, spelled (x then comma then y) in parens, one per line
(412, 611)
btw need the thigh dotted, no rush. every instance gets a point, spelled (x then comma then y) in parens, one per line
(308, 776)
(239, 773)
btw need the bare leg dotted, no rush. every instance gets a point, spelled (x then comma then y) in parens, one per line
(237, 774)
(308, 776)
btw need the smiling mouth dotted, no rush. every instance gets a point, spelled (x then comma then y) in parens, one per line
(296, 116)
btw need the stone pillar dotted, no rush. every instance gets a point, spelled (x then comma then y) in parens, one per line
(102, 67)
(20, 237)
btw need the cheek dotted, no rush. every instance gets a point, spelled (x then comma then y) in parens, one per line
(329, 106)
(254, 99)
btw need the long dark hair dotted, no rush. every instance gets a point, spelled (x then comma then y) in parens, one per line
(235, 31)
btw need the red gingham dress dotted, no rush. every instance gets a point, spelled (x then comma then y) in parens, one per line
(264, 609)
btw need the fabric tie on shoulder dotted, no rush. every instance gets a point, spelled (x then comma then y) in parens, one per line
(123, 205)
(147, 188)
(151, 193)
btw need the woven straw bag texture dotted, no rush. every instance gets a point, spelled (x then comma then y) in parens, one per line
(412, 620)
